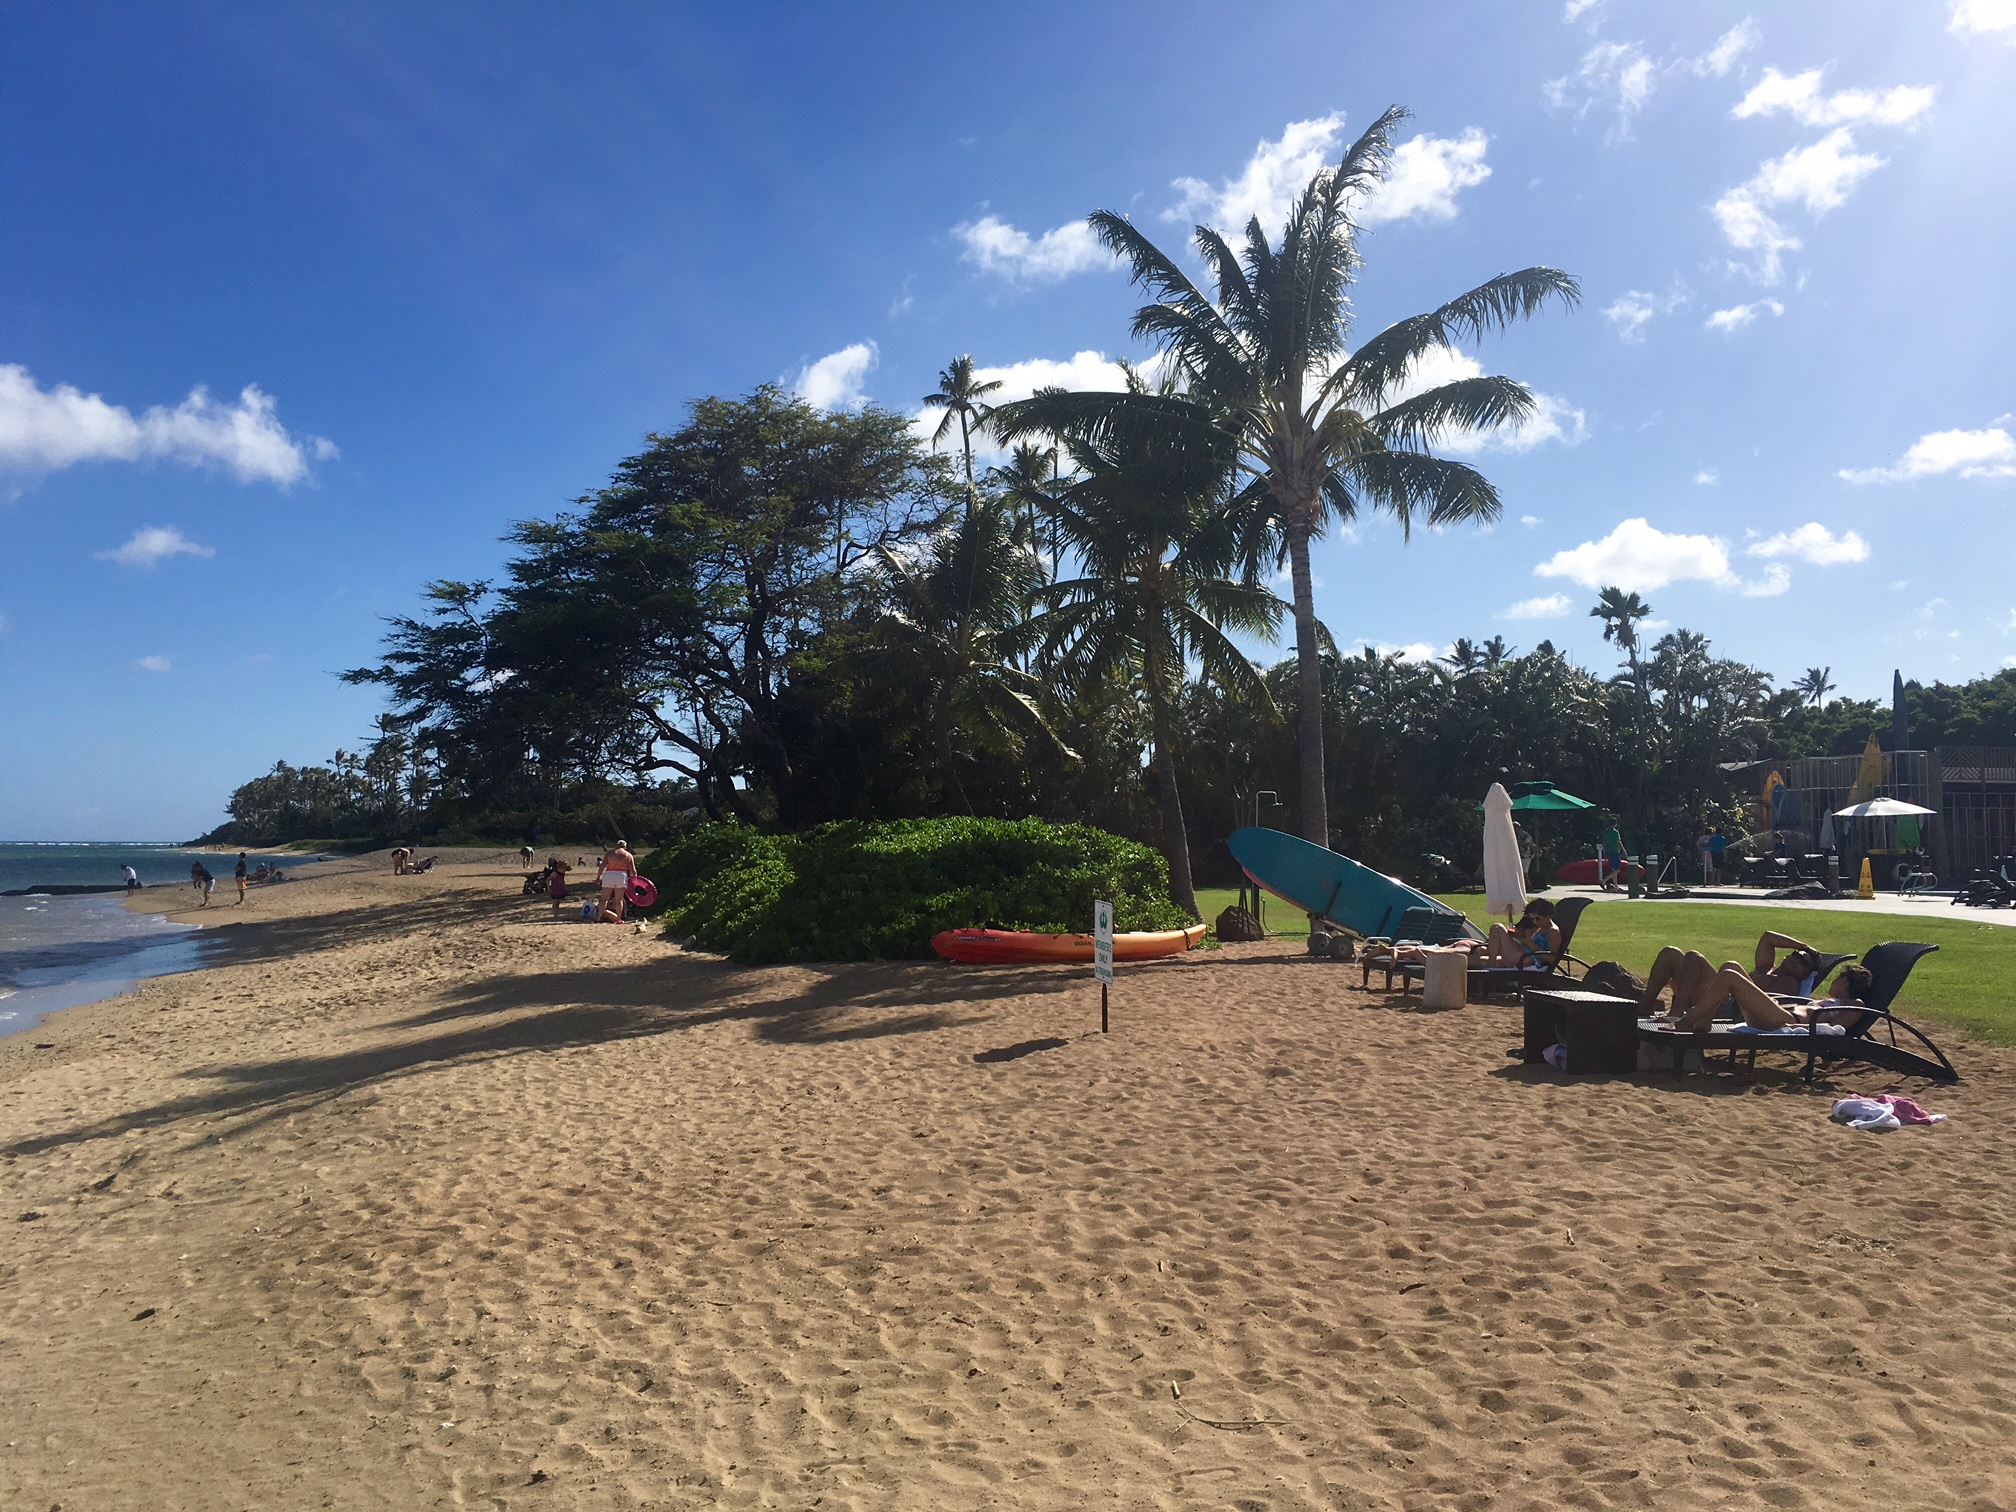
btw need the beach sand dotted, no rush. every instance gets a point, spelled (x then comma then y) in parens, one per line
(422, 1200)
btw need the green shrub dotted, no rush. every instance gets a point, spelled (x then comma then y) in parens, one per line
(859, 891)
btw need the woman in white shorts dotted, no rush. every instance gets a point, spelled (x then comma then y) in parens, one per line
(618, 866)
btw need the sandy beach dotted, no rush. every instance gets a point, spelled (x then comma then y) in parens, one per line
(423, 1200)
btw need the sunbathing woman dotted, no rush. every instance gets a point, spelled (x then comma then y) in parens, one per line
(1535, 941)
(1699, 995)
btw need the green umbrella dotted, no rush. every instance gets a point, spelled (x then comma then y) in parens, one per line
(1529, 796)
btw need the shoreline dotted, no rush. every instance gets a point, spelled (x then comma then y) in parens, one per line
(421, 1198)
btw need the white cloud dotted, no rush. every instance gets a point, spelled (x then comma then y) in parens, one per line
(1987, 453)
(1277, 172)
(153, 664)
(1553, 606)
(1552, 419)
(1637, 557)
(1737, 317)
(1632, 310)
(1983, 17)
(1529, 521)
(1611, 74)
(997, 247)
(1426, 175)
(44, 430)
(1819, 176)
(1708, 477)
(1573, 10)
(834, 381)
(1423, 179)
(1414, 651)
(1729, 47)
(1801, 96)
(155, 544)
(1815, 543)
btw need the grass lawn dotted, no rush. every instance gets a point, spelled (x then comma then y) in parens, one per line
(1970, 983)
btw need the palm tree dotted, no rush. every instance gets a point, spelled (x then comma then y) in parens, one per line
(1030, 481)
(1815, 686)
(1620, 613)
(1319, 429)
(1495, 651)
(1165, 572)
(960, 397)
(1464, 656)
(955, 622)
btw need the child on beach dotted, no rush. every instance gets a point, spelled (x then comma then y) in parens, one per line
(240, 874)
(556, 883)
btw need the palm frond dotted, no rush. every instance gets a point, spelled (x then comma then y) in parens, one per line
(1415, 487)
(1463, 404)
(1383, 363)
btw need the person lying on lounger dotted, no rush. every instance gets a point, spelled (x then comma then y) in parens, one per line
(1702, 990)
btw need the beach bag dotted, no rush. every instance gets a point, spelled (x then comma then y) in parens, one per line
(589, 909)
(1610, 977)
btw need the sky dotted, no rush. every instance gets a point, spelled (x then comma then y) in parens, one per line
(301, 306)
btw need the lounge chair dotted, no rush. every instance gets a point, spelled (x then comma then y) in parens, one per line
(1561, 966)
(1889, 964)
(1417, 926)
(1487, 980)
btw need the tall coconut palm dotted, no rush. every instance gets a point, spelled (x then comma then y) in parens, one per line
(1030, 481)
(1164, 574)
(1320, 429)
(955, 623)
(1620, 613)
(1815, 686)
(962, 399)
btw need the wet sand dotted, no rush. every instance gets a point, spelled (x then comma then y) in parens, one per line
(423, 1200)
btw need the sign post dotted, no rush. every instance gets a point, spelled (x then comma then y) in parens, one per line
(1102, 957)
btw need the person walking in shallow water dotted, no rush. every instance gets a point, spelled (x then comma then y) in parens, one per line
(240, 874)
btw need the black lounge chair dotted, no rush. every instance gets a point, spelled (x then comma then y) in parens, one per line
(1417, 926)
(1889, 964)
(1487, 980)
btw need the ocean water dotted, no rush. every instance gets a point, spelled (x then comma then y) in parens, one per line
(59, 952)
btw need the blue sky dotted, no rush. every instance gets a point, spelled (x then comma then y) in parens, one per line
(301, 306)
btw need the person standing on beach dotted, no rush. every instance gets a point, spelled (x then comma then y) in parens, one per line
(199, 874)
(240, 874)
(132, 878)
(618, 866)
(556, 883)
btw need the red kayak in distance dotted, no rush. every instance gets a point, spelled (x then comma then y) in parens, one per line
(1583, 872)
(1024, 947)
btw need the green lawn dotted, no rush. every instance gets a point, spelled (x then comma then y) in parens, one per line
(1970, 983)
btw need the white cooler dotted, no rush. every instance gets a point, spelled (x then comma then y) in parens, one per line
(1445, 977)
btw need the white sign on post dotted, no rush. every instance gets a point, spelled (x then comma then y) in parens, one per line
(1102, 941)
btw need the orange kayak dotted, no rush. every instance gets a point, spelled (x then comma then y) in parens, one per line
(1022, 947)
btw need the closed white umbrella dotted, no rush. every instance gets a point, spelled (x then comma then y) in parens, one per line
(1504, 873)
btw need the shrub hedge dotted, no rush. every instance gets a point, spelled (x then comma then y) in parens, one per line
(858, 891)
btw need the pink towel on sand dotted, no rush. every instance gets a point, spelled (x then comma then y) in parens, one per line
(1907, 1111)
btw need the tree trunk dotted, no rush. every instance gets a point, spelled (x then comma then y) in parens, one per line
(948, 766)
(1175, 836)
(1309, 696)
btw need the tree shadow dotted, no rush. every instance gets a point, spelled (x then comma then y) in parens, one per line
(532, 1014)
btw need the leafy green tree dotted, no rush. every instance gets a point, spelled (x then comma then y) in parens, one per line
(1321, 430)
(660, 626)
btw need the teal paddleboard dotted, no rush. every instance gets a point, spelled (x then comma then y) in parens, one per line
(1321, 882)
